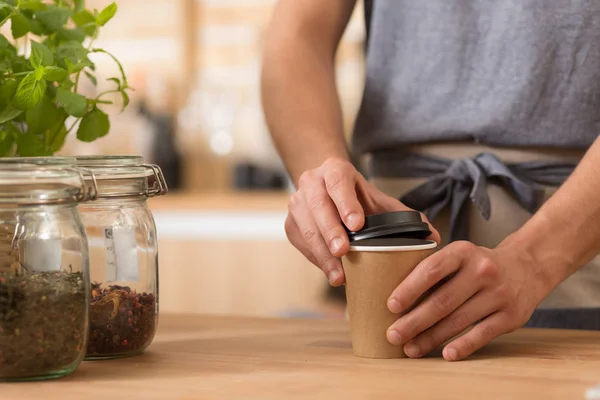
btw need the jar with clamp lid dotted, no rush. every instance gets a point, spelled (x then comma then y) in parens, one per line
(44, 267)
(123, 255)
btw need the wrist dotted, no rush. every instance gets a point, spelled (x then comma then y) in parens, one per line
(296, 167)
(542, 253)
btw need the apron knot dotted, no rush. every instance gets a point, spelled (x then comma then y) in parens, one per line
(451, 183)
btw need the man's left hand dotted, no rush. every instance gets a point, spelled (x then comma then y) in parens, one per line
(494, 290)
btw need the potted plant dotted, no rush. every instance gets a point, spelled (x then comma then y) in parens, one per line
(41, 68)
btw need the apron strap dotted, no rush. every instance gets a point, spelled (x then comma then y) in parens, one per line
(451, 182)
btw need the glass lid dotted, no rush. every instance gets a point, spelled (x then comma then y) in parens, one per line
(124, 176)
(42, 162)
(43, 180)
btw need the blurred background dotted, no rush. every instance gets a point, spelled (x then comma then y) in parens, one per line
(195, 66)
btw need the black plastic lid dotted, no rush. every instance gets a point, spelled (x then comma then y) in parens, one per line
(399, 224)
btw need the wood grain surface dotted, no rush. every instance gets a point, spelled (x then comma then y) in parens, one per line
(244, 358)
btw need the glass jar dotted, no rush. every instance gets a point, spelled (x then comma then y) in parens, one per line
(123, 255)
(44, 268)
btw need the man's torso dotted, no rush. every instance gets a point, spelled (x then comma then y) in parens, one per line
(503, 73)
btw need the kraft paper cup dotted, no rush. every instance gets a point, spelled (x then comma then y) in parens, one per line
(373, 270)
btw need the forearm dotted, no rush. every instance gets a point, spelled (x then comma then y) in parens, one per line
(565, 233)
(299, 95)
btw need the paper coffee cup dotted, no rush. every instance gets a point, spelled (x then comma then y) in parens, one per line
(373, 269)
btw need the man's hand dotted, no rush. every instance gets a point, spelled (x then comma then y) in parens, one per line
(327, 197)
(497, 290)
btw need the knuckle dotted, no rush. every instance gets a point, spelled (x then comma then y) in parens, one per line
(432, 271)
(442, 300)
(431, 342)
(311, 258)
(316, 202)
(488, 332)
(294, 201)
(335, 180)
(459, 322)
(487, 269)
(310, 236)
(326, 262)
(306, 178)
(331, 231)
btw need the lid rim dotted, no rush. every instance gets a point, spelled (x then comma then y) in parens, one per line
(428, 245)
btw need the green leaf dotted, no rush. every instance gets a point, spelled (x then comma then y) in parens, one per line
(8, 90)
(19, 26)
(30, 145)
(117, 81)
(9, 113)
(79, 66)
(125, 99)
(91, 77)
(3, 42)
(76, 34)
(42, 116)
(86, 21)
(5, 12)
(94, 125)
(35, 5)
(123, 76)
(29, 92)
(55, 74)
(36, 27)
(72, 51)
(40, 55)
(19, 66)
(55, 138)
(54, 17)
(67, 84)
(73, 103)
(79, 5)
(83, 17)
(7, 141)
(51, 91)
(39, 73)
(107, 14)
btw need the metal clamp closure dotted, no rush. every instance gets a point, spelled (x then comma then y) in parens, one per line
(159, 188)
(88, 192)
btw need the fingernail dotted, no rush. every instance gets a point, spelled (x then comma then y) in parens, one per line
(336, 244)
(335, 276)
(412, 350)
(394, 306)
(352, 221)
(451, 354)
(394, 337)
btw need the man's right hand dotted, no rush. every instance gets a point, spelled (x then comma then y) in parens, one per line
(327, 197)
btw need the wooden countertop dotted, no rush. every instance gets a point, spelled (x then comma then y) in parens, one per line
(237, 358)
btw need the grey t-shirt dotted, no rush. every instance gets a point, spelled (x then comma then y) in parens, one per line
(497, 72)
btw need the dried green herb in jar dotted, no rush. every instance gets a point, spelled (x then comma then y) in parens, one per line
(122, 321)
(42, 324)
